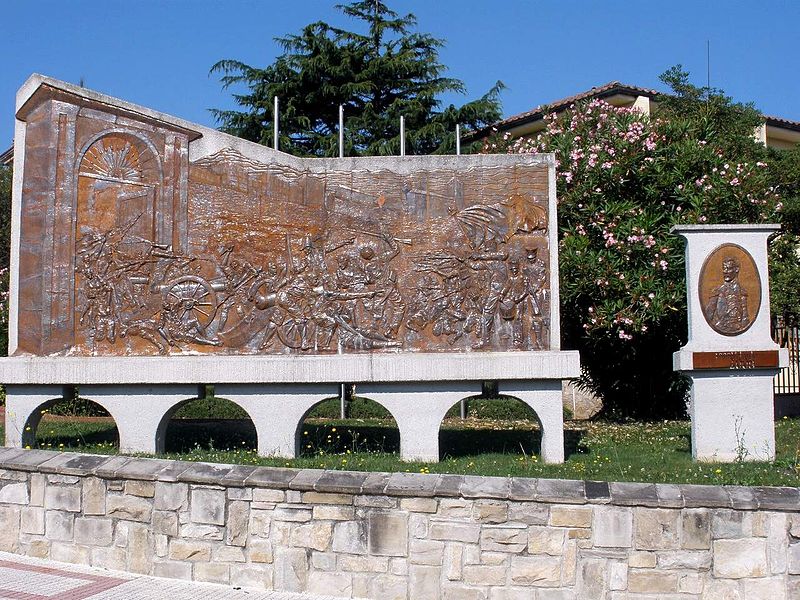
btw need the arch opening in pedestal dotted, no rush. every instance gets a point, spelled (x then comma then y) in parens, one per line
(208, 424)
(498, 425)
(368, 427)
(71, 422)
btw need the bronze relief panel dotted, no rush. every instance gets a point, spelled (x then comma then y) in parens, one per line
(282, 260)
(730, 290)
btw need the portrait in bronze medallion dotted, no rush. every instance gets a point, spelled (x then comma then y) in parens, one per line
(730, 290)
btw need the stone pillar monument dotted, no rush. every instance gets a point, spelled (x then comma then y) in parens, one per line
(730, 355)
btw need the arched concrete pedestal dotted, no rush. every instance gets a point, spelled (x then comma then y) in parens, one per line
(137, 411)
(544, 397)
(142, 412)
(419, 409)
(277, 411)
(24, 409)
(142, 393)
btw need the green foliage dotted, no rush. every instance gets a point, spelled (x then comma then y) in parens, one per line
(708, 114)
(378, 74)
(210, 407)
(503, 408)
(359, 408)
(624, 180)
(74, 406)
(6, 176)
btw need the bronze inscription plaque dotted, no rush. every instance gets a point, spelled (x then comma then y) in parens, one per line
(736, 360)
(730, 290)
(146, 252)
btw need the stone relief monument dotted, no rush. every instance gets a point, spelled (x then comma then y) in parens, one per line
(250, 257)
(152, 251)
(730, 355)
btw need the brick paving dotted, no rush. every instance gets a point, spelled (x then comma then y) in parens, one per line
(25, 578)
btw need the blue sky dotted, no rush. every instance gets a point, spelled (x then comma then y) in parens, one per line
(158, 53)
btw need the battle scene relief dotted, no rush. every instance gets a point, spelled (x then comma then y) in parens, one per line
(279, 260)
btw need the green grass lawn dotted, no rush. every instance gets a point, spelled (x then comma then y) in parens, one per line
(595, 450)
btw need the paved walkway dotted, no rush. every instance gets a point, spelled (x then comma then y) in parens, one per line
(24, 578)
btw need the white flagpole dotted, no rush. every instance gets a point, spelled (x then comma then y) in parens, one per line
(341, 131)
(402, 136)
(275, 125)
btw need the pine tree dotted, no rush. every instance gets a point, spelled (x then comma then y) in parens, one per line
(389, 71)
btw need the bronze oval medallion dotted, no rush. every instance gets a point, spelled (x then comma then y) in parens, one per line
(730, 290)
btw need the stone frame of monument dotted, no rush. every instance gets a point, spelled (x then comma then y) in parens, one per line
(151, 255)
(730, 355)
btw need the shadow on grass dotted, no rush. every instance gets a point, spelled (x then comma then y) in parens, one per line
(338, 438)
(469, 442)
(184, 435)
(88, 436)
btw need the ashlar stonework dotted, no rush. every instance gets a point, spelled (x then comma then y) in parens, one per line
(400, 539)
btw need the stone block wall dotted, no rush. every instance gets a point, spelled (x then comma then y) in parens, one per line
(402, 535)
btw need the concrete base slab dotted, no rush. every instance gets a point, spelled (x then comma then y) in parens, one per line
(290, 368)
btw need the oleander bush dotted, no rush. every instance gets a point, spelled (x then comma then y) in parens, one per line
(623, 180)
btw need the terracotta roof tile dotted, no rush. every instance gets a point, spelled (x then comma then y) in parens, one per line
(609, 89)
(7, 157)
(781, 122)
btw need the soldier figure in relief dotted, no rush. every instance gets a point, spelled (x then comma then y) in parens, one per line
(387, 307)
(349, 277)
(726, 310)
(536, 272)
(513, 302)
(100, 311)
(271, 281)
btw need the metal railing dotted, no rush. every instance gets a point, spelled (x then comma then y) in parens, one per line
(786, 335)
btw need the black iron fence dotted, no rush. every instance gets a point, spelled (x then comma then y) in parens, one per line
(787, 335)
